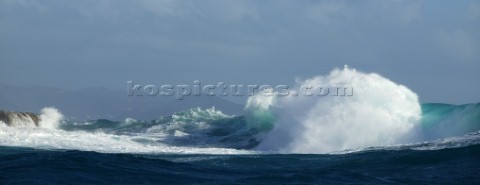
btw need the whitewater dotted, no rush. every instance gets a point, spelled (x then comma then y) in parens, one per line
(381, 115)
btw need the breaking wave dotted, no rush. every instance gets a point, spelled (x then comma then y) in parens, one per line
(380, 115)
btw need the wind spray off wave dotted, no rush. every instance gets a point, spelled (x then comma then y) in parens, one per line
(49, 118)
(379, 113)
(110, 137)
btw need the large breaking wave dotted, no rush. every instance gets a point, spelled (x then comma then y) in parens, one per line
(380, 115)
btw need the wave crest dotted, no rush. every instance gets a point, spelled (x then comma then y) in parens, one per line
(379, 113)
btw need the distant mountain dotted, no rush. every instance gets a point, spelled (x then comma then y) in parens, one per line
(103, 103)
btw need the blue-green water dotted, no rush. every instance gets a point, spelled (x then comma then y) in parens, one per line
(208, 147)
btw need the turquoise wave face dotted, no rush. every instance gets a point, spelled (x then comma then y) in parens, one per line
(444, 120)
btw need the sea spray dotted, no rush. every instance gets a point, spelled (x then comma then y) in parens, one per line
(50, 118)
(379, 113)
(258, 113)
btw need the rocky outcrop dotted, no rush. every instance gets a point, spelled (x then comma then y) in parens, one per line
(18, 118)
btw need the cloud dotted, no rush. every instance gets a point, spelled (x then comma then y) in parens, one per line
(303, 38)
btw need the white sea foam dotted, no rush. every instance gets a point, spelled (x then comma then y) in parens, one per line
(48, 136)
(379, 113)
(50, 118)
(43, 138)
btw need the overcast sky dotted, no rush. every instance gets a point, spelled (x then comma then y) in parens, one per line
(433, 47)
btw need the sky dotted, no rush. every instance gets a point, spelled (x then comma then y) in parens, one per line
(432, 47)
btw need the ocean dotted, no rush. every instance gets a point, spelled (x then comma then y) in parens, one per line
(382, 166)
(109, 152)
(374, 137)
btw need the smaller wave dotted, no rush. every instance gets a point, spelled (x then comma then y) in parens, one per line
(129, 136)
(466, 140)
(194, 131)
(194, 127)
(444, 120)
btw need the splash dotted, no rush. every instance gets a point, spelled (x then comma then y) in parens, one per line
(258, 113)
(50, 118)
(379, 113)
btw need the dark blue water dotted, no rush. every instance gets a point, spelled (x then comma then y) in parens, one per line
(446, 166)
(199, 147)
